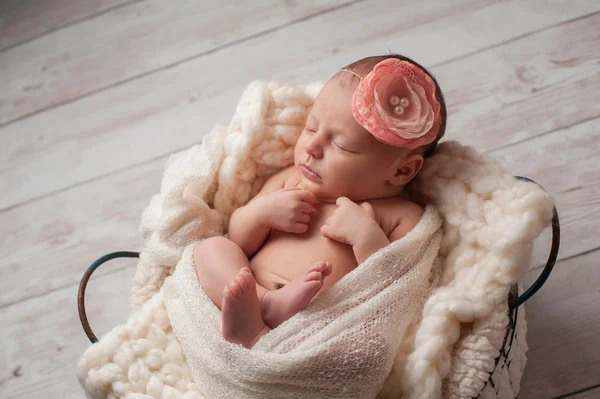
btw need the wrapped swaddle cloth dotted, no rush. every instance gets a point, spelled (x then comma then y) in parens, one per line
(343, 345)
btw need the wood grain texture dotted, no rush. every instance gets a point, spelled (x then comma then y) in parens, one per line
(565, 163)
(538, 84)
(23, 20)
(593, 393)
(42, 338)
(49, 245)
(129, 42)
(564, 322)
(100, 134)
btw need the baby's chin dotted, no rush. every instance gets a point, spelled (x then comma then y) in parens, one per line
(322, 195)
(308, 185)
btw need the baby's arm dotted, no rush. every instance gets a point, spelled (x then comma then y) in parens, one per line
(373, 238)
(247, 225)
(371, 241)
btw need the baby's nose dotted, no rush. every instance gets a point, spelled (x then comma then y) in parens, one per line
(314, 149)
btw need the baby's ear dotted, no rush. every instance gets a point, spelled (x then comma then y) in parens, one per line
(405, 169)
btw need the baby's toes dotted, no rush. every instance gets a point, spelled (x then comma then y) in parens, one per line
(327, 269)
(317, 267)
(241, 280)
(248, 279)
(235, 288)
(314, 276)
(316, 286)
(227, 294)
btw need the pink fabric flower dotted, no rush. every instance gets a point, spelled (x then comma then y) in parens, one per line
(414, 125)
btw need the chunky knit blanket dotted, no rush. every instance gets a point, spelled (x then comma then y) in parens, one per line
(489, 221)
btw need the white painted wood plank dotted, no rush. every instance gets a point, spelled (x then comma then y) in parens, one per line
(172, 109)
(564, 324)
(593, 393)
(50, 244)
(128, 42)
(42, 338)
(22, 20)
(541, 83)
(565, 163)
(125, 194)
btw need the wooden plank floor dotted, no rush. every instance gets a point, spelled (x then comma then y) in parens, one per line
(94, 96)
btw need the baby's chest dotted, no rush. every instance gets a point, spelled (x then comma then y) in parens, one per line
(285, 256)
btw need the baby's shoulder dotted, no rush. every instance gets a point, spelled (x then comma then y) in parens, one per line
(397, 205)
(275, 182)
(397, 215)
(278, 179)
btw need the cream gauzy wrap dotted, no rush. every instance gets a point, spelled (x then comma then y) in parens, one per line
(342, 345)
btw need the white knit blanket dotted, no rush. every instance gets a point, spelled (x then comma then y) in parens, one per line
(343, 345)
(489, 223)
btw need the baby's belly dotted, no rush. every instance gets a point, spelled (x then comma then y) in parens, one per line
(285, 256)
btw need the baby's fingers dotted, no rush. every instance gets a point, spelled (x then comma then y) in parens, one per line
(306, 207)
(326, 231)
(298, 228)
(303, 218)
(308, 196)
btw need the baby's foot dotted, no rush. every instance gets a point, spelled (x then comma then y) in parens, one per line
(241, 316)
(278, 306)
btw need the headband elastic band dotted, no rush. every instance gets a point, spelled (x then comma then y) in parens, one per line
(353, 73)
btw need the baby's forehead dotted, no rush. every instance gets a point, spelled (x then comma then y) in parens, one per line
(346, 79)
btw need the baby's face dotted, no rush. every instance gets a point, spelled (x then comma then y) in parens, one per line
(335, 156)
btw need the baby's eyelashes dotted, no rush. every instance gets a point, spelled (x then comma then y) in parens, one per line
(343, 148)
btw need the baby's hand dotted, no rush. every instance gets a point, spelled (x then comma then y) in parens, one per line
(289, 209)
(349, 221)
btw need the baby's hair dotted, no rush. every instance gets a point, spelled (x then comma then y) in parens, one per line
(364, 66)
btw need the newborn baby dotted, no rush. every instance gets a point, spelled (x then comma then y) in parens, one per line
(313, 222)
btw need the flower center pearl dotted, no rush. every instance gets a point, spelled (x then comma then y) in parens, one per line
(399, 104)
(394, 100)
(398, 110)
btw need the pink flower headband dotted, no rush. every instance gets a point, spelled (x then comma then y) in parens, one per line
(396, 103)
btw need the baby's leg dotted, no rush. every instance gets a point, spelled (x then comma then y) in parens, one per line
(222, 270)
(217, 261)
(248, 309)
(278, 306)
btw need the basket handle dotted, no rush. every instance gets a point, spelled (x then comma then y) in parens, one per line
(83, 284)
(535, 287)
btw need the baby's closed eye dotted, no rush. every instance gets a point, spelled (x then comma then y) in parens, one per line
(343, 147)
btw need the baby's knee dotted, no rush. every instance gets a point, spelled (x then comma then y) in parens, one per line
(216, 250)
(207, 249)
(213, 244)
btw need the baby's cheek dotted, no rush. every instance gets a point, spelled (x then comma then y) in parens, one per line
(356, 170)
